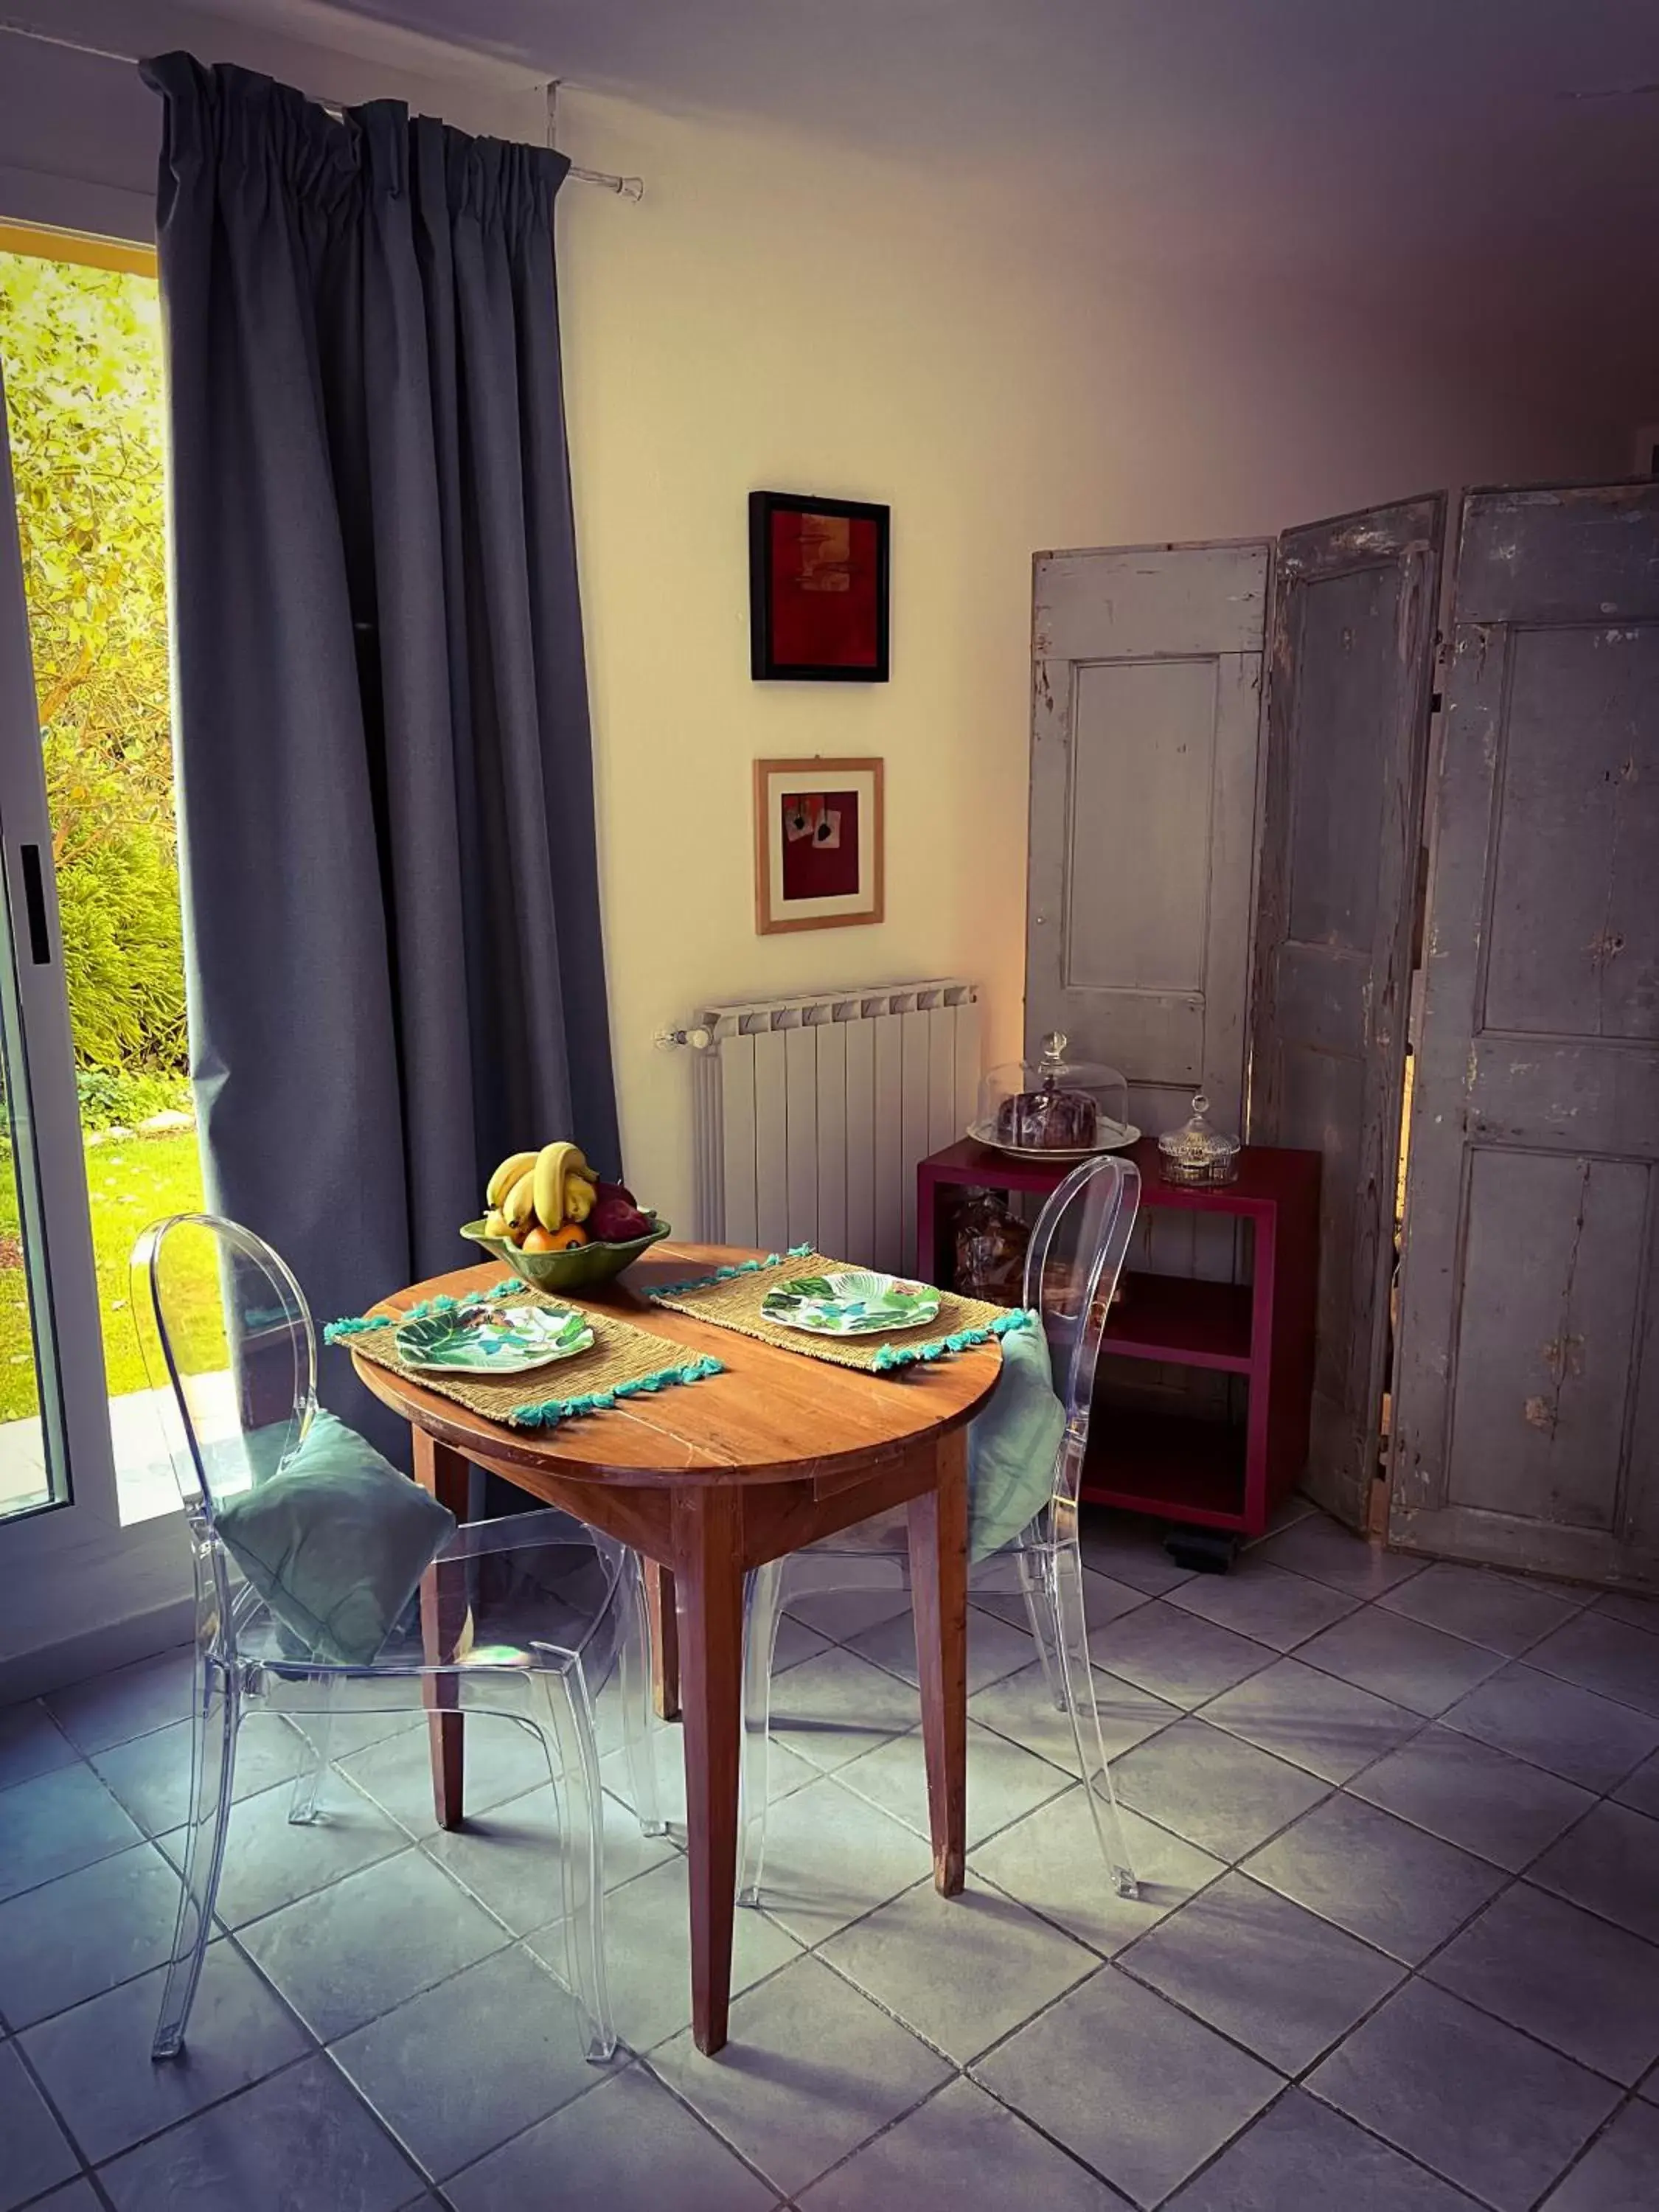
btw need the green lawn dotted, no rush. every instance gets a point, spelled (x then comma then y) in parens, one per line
(132, 1181)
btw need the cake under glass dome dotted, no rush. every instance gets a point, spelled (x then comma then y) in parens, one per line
(1053, 1107)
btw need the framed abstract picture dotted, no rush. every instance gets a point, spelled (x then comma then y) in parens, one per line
(817, 589)
(818, 844)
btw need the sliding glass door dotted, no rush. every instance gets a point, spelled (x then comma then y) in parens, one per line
(56, 1465)
(97, 1137)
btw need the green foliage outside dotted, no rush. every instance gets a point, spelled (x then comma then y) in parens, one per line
(81, 355)
(132, 1182)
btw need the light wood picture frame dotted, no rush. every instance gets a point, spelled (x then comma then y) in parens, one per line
(820, 844)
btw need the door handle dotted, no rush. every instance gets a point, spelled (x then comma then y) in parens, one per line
(34, 901)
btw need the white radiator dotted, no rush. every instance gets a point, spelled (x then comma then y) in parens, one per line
(812, 1111)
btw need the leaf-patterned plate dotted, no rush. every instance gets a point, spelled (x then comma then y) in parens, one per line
(851, 1302)
(484, 1339)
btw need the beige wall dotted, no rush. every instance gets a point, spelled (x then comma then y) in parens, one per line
(788, 315)
(1013, 361)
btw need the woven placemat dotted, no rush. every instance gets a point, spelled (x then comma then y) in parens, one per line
(622, 1362)
(732, 1299)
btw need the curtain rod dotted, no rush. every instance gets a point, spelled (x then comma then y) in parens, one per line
(627, 188)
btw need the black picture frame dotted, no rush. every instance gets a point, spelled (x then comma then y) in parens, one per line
(764, 665)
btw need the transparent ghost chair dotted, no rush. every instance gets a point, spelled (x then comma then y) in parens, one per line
(522, 1617)
(1071, 1266)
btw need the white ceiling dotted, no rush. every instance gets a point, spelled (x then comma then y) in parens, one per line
(1514, 131)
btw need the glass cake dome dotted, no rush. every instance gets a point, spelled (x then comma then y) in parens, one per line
(1053, 1108)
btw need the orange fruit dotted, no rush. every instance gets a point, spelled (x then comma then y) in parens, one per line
(539, 1240)
(562, 1240)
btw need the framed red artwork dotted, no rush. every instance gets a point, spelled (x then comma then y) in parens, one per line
(818, 844)
(817, 589)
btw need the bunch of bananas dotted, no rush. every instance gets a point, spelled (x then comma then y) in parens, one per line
(540, 1199)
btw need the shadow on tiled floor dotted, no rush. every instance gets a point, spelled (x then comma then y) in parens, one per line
(1397, 1949)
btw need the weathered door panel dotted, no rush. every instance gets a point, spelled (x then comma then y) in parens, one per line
(1527, 1428)
(1146, 686)
(1350, 674)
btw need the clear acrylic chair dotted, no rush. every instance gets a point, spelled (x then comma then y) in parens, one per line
(1071, 1266)
(521, 1618)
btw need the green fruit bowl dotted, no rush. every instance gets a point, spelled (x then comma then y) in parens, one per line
(580, 1267)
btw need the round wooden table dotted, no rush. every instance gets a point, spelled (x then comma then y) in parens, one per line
(707, 1481)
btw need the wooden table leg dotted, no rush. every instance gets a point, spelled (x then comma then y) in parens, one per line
(664, 1640)
(707, 1552)
(443, 1471)
(938, 1577)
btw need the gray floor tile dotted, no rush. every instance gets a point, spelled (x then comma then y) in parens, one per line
(1267, 1602)
(1215, 1789)
(1465, 1790)
(995, 1647)
(75, 2197)
(1300, 2156)
(612, 2151)
(1129, 1550)
(269, 1863)
(301, 2138)
(1388, 1884)
(1279, 1980)
(348, 1953)
(787, 1772)
(1488, 2108)
(85, 1933)
(96, 2059)
(1628, 1605)
(1609, 1863)
(1582, 1738)
(1421, 1669)
(811, 2072)
(831, 1708)
(128, 1702)
(458, 2070)
(1105, 1598)
(831, 1857)
(842, 1614)
(1136, 2089)
(1617, 2172)
(1174, 1655)
(795, 1642)
(1319, 1547)
(56, 1823)
(1021, 1709)
(1641, 1790)
(503, 1761)
(37, 2154)
(1052, 1862)
(1606, 1655)
(508, 1858)
(961, 1971)
(1485, 1607)
(1005, 1780)
(1312, 1719)
(1581, 1986)
(151, 1774)
(31, 1743)
(963, 2150)
(648, 1953)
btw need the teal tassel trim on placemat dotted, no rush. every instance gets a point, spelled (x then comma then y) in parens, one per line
(337, 1331)
(551, 1411)
(896, 1355)
(724, 1275)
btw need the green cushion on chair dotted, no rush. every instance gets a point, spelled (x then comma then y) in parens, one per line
(1012, 1443)
(335, 1542)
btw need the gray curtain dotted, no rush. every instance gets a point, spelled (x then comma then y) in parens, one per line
(395, 967)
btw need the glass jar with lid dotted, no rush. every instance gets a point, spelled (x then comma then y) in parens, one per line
(1197, 1154)
(1053, 1107)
